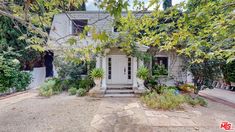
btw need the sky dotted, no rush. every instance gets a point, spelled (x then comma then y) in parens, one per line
(91, 7)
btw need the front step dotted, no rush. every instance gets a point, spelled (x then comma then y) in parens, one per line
(119, 95)
(119, 92)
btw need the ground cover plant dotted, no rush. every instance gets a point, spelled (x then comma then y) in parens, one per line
(170, 99)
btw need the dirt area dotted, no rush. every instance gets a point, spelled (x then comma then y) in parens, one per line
(62, 113)
(59, 113)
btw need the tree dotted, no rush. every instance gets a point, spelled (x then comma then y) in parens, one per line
(199, 30)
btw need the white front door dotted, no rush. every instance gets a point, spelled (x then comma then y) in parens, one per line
(119, 69)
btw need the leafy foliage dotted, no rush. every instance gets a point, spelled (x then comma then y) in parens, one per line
(167, 101)
(97, 73)
(159, 70)
(229, 71)
(72, 91)
(143, 73)
(47, 88)
(81, 92)
(11, 77)
(196, 101)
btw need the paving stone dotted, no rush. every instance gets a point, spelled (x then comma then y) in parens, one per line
(132, 105)
(95, 119)
(102, 125)
(186, 122)
(125, 113)
(132, 128)
(155, 114)
(197, 113)
(110, 118)
(164, 122)
(125, 120)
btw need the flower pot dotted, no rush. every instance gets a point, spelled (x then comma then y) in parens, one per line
(97, 82)
(140, 83)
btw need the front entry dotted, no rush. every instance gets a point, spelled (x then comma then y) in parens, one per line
(119, 69)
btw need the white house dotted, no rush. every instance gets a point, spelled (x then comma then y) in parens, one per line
(120, 69)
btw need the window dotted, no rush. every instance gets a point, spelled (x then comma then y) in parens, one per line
(78, 26)
(160, 66)
(129, 68)
(115, 27)
(109, 68)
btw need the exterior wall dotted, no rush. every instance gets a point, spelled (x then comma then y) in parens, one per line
(62, 25)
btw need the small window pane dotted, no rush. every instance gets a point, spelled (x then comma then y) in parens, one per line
(129, 68)
(109, 68)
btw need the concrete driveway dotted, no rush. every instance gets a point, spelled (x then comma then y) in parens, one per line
(82, 114)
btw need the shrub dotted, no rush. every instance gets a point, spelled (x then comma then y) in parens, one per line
(50, 87)
(47, 88)
(159, 70)
(168, 100)
(11, 76)
(143, 73)
(72, 91)
(81, 92)
(187, 88)
(195, 101)
(86, 83)
(229, 72)
(46, 92)
(97, 73)
(57, 88)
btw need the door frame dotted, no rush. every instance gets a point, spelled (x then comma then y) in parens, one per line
(109, 81)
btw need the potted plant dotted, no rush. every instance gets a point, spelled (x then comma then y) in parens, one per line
(97, 74)
(142, 74)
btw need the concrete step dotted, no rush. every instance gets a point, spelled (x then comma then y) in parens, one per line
(119, 95)
(119, 88)
(119, 91)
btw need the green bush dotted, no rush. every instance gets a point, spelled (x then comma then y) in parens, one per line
(159, 70)
(47, 88)
(195, 101)
(81, 92)
(167, 100)
(72, 91)
(143, 73)
(229, 72)
(46, 92)
(11, 76)
(50, 87)
(86, 83)
(97, 73)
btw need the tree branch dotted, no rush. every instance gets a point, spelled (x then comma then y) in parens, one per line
(23, 22)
